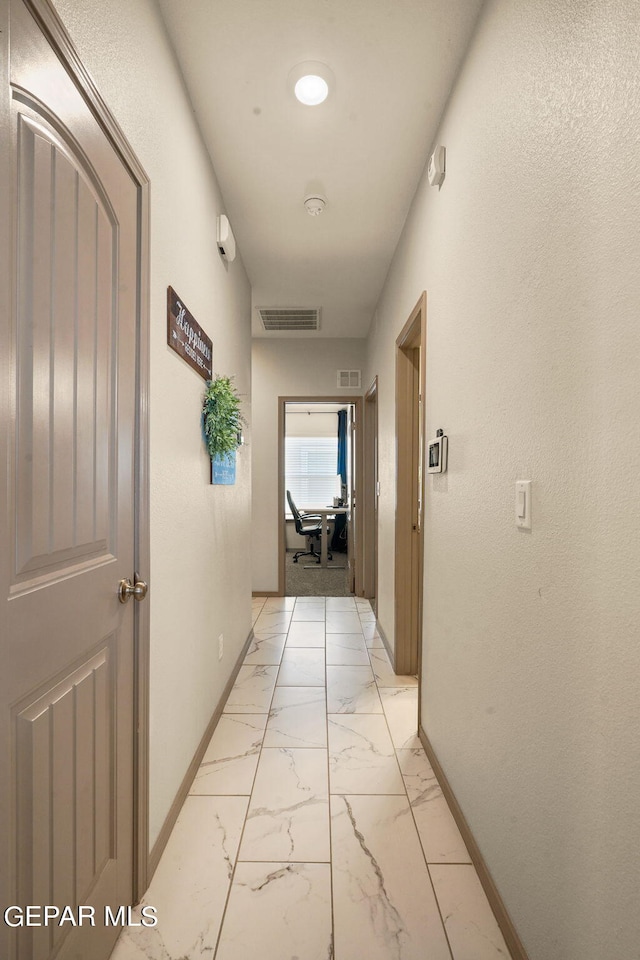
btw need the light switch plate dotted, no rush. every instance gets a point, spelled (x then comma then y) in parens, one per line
(523, 504)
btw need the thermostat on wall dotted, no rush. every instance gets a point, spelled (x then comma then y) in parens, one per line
(438, 453)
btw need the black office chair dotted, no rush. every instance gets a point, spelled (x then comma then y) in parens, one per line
(311, 530)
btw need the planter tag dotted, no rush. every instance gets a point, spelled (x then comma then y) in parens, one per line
(223, 469)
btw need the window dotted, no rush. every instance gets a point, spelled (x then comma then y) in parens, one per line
(310, 471)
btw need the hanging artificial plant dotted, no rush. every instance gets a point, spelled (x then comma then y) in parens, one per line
(221, 417)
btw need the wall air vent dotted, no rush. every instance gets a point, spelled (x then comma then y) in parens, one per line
(349, 378)
(289, 318)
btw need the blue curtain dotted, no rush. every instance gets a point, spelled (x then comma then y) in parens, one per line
(342, 444)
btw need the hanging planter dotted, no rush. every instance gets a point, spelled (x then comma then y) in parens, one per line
(221, 427)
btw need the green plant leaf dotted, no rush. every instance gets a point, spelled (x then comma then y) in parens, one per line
(221, 416)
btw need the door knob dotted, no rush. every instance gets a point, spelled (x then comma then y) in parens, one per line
(138, 589)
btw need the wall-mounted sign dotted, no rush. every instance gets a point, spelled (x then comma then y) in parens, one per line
(187, 337)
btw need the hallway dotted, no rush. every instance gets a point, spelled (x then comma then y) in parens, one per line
(315, 827)
(477, 157)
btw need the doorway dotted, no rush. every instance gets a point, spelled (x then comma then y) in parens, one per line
(73, 689)
(324, 486)
(409, 536)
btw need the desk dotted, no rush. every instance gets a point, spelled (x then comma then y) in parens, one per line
(325, 512)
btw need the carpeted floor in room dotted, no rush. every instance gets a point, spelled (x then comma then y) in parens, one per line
(316, 582)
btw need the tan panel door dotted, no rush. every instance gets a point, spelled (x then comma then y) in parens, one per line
(352, 542)
(371, 494)
(409, 539)
(67, 422)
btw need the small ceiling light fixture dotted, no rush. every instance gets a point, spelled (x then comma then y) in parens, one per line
(315, 205)
(311, 82)
(311, 90)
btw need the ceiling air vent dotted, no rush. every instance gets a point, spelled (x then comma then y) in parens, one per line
(289, 318)
(349, 378)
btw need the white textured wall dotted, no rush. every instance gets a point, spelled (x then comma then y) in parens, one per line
(286, 368)
(529, 254)
(199, 579)
(312, 425)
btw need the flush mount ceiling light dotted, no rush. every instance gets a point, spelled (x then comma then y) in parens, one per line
(311, 90)
(311, 82)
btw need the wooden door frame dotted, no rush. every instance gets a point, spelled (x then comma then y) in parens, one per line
(56, 34)
(409, 527)
(282, 545)
(369, 498)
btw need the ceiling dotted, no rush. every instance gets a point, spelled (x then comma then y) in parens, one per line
(364, 148)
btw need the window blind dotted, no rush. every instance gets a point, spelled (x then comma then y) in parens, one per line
(310, 471)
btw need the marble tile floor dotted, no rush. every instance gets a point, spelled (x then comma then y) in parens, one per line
(315, 828)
